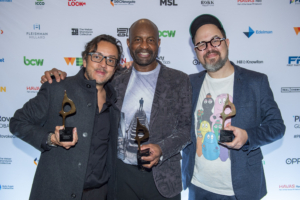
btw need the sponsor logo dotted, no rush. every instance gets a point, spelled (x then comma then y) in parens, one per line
(7, 187)
(294, 61)
(4, 122)
(76, 3)
(291, 161)
(39, 4)
(6, 136)
(5, 161)
(196, 62)
(82, 31)
(2, 60)
(5, 0)
(162, 59)
(207, 3)
(35, 161)
(249, 2)
(33, 62)
(296, 119)
(249, 62)
(72, 59)
(36, 35)
(1, 31)
(32, 89)
(123, 61)
(122, 32)
(167, 33)
(251, 32)
(121, 2)
(295, 1)
(290, 89)
(289, 187)
(297, 30)
(2, 89)
(168, 3)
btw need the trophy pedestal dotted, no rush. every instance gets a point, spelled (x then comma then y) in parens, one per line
(140, 154)
(226, 136)
(66, 135)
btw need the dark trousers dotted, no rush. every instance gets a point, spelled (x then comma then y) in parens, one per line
(200, 194)
(134, 184)
(95, 194)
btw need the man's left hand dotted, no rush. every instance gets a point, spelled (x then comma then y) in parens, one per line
(240, 139)
(155, 154)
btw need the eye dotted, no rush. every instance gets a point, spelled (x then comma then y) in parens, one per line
(208, 137)
(210, 101)
(224, 100)
(220, 101)
(206, 125)
(205, 101)
(203, 125)
(212, 136)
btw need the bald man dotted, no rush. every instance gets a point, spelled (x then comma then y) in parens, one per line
(166, 112)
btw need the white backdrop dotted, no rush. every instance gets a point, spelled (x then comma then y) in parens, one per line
(36, 35)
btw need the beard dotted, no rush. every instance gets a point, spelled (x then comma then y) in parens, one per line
(143, 62)
(89, 75)
(214, 65)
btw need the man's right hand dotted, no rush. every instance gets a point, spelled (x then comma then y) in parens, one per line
(66, 145)
(58, 74)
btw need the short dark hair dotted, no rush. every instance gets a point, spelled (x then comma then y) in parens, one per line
(93, 45)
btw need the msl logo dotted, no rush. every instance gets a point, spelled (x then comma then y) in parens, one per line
(297, 30)
(167, 33)
(294, 61)
(207, 3)
(2, 89)
(121, 2)
(33, 62)
(76, 3)
(168, 3)
(251, 32)
(72, 59)
(122, 32)
(294, 1)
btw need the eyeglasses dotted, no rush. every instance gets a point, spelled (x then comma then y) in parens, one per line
(215, 42)
(98, 57)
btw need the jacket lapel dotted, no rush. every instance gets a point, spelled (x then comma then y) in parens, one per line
(196, 86)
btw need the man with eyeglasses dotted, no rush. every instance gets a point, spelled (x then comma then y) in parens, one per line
(85, 167)
(230, 170)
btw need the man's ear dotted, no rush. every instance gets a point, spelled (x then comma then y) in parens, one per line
(84, 63)
(227, 42)
(128, 42)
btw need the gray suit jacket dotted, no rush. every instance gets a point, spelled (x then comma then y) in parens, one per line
(169, 124)
(60, 173)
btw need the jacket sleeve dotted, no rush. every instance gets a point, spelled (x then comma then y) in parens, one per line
(27, 122)
(271, 127)
(180, 136)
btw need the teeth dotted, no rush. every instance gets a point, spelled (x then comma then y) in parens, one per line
(144, 54)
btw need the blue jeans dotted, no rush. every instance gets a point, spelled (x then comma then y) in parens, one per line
(196, 193)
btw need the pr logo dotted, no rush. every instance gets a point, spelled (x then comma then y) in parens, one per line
(72, 59)
(248, 34)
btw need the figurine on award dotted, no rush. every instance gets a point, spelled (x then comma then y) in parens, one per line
(140, 153)
(226, 135)
(66, 135)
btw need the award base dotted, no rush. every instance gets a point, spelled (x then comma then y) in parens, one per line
(141, 162)
(66, 135)
(226, 136)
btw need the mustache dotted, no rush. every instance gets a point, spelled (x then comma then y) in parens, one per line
(101, 69)
(212, 51)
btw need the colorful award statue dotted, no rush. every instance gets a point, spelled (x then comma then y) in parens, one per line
(225, 135)
(140, 153)
(66, 135)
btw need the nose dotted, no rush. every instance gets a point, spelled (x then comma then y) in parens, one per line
(144, 44)
(103, 62)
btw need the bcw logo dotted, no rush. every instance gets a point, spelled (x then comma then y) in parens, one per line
(167, 33)
(33, 62)
(76, 3)
(72, 59)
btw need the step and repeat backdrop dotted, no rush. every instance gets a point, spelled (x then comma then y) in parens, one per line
(37, 35)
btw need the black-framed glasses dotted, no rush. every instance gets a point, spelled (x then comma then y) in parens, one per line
(98, 57)
(215, 42)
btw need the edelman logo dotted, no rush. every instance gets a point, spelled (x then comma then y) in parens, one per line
(251, 32)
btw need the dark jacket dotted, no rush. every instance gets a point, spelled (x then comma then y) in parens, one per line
(259, 115)
(60, 173)
(170, 124)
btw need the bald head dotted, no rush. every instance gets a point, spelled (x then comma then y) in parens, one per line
(142, 23)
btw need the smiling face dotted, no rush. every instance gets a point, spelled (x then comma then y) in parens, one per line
(101, 72)
(143, 42)
(212, 58)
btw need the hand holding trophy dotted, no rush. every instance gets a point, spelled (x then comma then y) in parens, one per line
(140, 153)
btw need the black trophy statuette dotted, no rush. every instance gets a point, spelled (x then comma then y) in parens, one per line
(66, 135)
(226, 135)
(140, 153)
